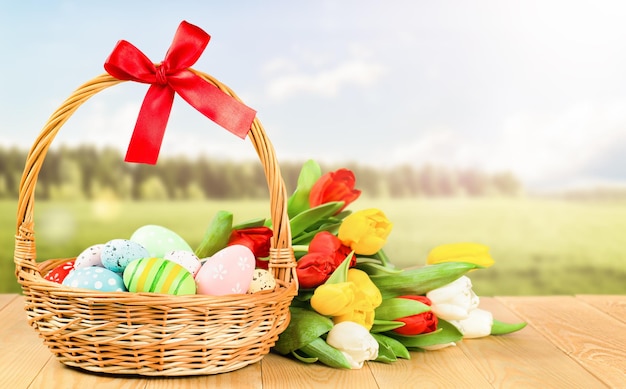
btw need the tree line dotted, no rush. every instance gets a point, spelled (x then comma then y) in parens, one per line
(86, 172)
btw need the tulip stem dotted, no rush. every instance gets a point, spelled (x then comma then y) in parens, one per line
(300, 248)
(384, 259)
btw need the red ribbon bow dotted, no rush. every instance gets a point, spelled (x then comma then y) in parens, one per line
(171, 76)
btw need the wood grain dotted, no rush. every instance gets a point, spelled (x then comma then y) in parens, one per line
(612, 305)
(248, 377)
(22, 353)
(446, 368)
(594, 339)
(283, 373)
(523, 359)
(5, 299)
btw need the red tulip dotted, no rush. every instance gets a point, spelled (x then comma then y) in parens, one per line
(257, 239)
(325, 254)
(334, 186)
(417, 324)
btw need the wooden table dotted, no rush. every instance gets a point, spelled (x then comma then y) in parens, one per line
(570, 342)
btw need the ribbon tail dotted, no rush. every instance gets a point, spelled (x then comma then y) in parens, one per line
(216, 105)
(145, 143)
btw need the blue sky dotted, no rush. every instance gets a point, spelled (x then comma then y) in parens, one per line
(534, 87)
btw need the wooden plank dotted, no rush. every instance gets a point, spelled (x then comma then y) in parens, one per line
(281, 372)
(22, 353)
(592, 338)
(248, 377)
(445, 368)
(523, 359)
(5, 299)
(56, 375)
(612, 305)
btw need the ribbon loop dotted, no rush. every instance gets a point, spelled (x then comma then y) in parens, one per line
(171, 76)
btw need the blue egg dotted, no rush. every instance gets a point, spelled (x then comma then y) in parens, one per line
(95, 278)
(118, 253)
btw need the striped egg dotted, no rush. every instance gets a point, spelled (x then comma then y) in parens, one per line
(158, 275)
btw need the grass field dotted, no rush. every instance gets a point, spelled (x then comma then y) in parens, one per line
(540, 246)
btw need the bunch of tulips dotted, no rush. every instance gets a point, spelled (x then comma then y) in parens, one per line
(353, 304)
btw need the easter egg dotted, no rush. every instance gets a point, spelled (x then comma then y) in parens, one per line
(186, 259)
(229, 271)
(159, 240)
(261, 280)
(118, 253)
(60, 272)
(90, 257)
(158, 275)
(95, 278)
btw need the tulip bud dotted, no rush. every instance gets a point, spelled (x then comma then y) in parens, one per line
(455, 300)
(354, 342)
(477, 324)
(365, 231)
(334, 299)
(475, 253)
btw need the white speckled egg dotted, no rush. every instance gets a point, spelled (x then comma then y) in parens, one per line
(95, 278)
(159, 240)
(186, 259)
(261, 280)
(90, 257)
(118, 253)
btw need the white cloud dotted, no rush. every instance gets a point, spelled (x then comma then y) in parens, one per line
(539, 149)
(325, 83)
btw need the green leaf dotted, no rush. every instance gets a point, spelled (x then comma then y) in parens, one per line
(307, 218)
(374, 269)
(305, 325)
(396, 347)
(419, 281)
(299, 201)
(385, 325)
(445, 333)
(501, 328)
(326, 354)
(341, 272)
(252, 223)
(307, 236)
(385, 354)
(303, 358)
(216, 235)
(395, 308)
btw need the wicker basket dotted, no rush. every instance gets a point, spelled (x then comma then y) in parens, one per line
(146, 333)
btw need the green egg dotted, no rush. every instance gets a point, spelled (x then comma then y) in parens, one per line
(158, 275)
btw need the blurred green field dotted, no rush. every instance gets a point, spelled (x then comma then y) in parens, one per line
(540, 246)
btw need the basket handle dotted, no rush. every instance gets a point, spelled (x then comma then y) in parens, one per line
(282, 261)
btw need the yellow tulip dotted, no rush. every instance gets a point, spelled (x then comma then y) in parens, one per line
(475, 253)
(334, 299)
(365, 231)
(354, 300)
(365, 287)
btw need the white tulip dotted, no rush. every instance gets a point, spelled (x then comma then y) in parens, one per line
(477, 325)
(354, 341)
(455, 300)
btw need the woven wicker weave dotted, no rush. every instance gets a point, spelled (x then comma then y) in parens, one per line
(146, 333)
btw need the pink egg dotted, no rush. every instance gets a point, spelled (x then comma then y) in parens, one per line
(229, 271)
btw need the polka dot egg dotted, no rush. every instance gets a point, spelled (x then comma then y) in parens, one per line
(95, 278)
